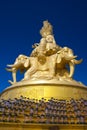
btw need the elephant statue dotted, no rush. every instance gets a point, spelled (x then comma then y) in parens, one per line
(34, 67)
(61, 64)
(22, 63)
(65, 62)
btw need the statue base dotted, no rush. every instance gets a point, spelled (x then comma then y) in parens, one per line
(23, 126)
(46, 89)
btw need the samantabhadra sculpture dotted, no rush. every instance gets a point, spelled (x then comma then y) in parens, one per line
(47, 60)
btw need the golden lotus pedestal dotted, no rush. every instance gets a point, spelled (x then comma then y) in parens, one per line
(44, 89)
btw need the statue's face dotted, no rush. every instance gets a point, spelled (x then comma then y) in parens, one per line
(45, 34)
(49, 38)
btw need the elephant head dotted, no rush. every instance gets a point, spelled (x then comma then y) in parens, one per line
(21, 63)
(65, 57)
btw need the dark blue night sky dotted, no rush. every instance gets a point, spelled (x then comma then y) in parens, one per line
(20, 22)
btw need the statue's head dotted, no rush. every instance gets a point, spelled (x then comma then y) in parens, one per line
(46, 29)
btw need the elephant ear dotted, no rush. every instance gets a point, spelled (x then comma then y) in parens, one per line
(26, 64)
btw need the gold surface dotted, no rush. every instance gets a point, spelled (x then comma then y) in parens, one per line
(47, 60)
(22, 126)
(39, 90)
(45, 75)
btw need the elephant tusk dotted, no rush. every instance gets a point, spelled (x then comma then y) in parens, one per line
(10, 65)
(78, 61)
(72, 67)
(16, 65)
(10, 70)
